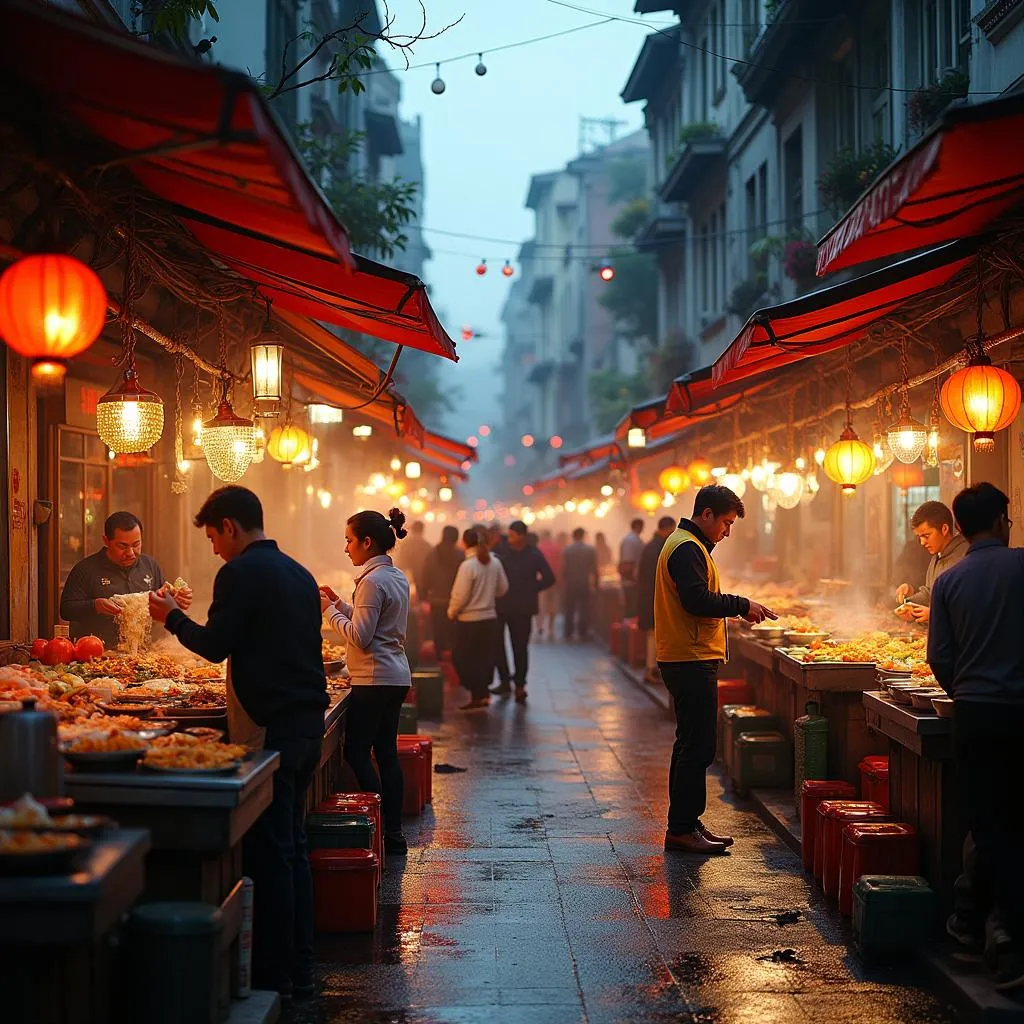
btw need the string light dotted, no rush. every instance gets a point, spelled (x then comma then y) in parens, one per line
(508, 270)
(437, 86)
(481, 268)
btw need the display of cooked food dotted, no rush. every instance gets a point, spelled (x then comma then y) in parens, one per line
(106, 744)
(887, 652)
(332, 652)
(26, 841)
(198, 756)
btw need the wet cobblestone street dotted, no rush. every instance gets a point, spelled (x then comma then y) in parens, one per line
(537, 889)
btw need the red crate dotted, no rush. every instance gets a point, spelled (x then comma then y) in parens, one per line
(413, 760)
(734, 691)
(874, 779)
(875, 848)
(835, 821)
(428, 749)
(345, 890)
(812, 792)
(359, 803)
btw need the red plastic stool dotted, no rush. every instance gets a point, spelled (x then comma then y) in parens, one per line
(875, 848)
(359, 803)
(451, 677)
(834, 822)
(734, 691)
(615, 639)
(874, 779)
(345, 890)
(637, 646)
(413, 760)
(428, 652)
(428, 749)
(812, 792)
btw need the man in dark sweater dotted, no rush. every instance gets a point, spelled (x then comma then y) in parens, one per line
(528, 574)
(975, 651)
(438, 579)
(265, 618)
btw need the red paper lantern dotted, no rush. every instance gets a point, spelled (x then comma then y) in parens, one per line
(52, 307)
(904, 476)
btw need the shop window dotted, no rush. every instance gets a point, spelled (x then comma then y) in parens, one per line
(793, 160)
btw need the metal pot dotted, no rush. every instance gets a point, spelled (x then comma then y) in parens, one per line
(29, 759)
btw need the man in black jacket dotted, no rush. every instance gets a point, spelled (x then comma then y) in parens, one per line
(265, 617)
(439, 573)
(645, 577)
(528, 574)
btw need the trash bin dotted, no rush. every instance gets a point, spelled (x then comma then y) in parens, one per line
(174, 974)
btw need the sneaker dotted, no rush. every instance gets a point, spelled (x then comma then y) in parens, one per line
(476, 705)
(396, 845)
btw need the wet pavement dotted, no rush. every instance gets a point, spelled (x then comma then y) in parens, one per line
(537, 889)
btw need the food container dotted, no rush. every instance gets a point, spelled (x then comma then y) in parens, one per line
(921, 698)
(900, 693)
(804, 638)
(943, 706)
(771, 635)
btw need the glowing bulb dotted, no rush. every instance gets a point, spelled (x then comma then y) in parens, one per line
(396, 464)
(378, 481)
(607, 490)
(570, 506)
(444, 494)
(184, 465)
(819, 456)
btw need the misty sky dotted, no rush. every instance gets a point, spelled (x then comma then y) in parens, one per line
(484, 137)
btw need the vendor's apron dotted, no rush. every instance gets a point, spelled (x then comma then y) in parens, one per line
(241, 728)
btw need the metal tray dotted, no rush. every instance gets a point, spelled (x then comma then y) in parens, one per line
(45, 862)
(227, 769)
(824, 666)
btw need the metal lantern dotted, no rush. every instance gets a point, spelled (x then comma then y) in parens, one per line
(981, 399)
(229, 441)
(850, 461)
(786, 489)
(636, 437)
(128, 417)
(735, 483)
(673, 479)
(287, 444)
(907, 437)
(52, 307)
(266, 355)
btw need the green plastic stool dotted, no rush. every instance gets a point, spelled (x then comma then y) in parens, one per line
(408, 721)
(892, 915)
(761, 760)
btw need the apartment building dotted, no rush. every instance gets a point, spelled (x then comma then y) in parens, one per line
(767, 118)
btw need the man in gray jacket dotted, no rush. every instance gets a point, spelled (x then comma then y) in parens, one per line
(933, 525)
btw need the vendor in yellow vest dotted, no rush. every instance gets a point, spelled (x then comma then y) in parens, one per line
(691, 643)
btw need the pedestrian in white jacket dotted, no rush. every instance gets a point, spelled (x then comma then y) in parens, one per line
(480, 581)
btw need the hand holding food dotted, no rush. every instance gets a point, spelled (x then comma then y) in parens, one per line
(759, 612)
(919, 613)
(161, 605)
(905, 611)
(903, 591)
(104, 606)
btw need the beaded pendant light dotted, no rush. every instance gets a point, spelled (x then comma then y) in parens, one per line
(228, 439)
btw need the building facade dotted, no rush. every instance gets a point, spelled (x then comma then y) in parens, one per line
(768, 118)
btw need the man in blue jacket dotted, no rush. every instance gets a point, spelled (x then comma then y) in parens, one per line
(528, 574)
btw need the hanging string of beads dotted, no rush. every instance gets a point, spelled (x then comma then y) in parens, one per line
(179, 485)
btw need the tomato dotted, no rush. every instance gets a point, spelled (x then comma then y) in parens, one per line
(38, 646)
(58, 651)
(88, 647)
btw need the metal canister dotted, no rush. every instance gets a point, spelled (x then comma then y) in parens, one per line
(30, 761)
(810, 746)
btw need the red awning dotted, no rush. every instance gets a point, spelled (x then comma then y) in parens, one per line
(203, 139)
(836, 316)
(600, 448)
(952, 184)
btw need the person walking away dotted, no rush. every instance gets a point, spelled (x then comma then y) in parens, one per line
(646, 572)
(630, 550)
(438, 578)
(933, 525)
(265, 619)
(691, 644)
(528, 575)
(975, 651)
(374, 628)
(579, 569)
(550, 598)
(413, 557)
(480, 581)
(604, 552)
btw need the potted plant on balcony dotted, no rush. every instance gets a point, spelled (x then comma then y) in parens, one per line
(850, 172)
(799, 263)
(749, 295)
(927, 103)
(695, 131)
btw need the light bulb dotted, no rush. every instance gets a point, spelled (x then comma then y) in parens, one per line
(819, 456)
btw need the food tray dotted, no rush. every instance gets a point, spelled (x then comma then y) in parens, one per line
(103, 760)
(223, 770)
(828, 665)
(44, 862)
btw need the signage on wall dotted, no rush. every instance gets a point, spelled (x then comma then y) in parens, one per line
(19, 510)
(80, 398)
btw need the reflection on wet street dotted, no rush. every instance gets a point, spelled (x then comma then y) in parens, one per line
(537, 889)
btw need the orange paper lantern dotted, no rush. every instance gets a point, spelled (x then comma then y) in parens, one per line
(673, 479)
(52, 307)
(904, 476)
(700, 472)
(981, 399)
(649, 501)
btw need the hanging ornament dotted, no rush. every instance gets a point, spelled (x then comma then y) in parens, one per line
(129, 418)
(507, 270)
(228, 440)
(907, 436)
(931, 451)
(980, 400)
(673, 479)
(481, 268)
(437, 86)
(179, 483)
(481, 67)
(287, 444)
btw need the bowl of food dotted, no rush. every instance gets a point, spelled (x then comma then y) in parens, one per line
(771, 635)
(27, 852)
(943, 706)
(805, 637)
(114, 753)
(921, 698)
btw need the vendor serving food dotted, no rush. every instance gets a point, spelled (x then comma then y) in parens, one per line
(118, 568)
(933, 525)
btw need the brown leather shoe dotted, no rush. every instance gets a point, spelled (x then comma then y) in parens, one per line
(708, 834)
(692, 842)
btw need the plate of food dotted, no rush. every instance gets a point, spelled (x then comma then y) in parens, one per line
(156, 727)
(196, 758)
(27, 852)
(116, 752)
(117, 707)
(204, 733)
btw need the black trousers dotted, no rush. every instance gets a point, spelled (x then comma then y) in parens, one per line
(694, 689)
(990, 775)
(442, 627)
(577, 613)
(475, 655)
(275, 857)
(519, 628)
(630, 600)
(371, 727)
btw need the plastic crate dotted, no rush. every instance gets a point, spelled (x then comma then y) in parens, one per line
(762, 760)
(345, 890)
(893, 915)
(735, 691)
(744, 719)
(340, 832)
(835, 821)
(413, 760)
(871, 848)
(812, 792)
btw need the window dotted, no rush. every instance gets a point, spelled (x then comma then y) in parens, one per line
(944, 37)
(756, 202)
(750, 15)
(793, 171)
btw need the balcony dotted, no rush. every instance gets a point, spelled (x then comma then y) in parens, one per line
(699, 155)
(663, 227)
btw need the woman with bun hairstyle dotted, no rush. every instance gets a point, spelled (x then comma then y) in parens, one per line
(479, 582)
(374, 626)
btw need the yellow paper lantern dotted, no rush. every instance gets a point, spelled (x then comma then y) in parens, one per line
(649, 501)
(849, 462)
(673, 479)
(700, 472)
(981, 399)
(287, 444)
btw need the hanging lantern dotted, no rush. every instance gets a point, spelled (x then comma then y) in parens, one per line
(363, 431)
(907, 437)
(735, 483)
(673, 479)
(850, 461)
(444, 494)
(636, 437)
(266, 355)
(128, 417)
(649, 501)
(700, 472)
(786, 489)
(904, 476)
(762, 473)
(52, 307)
(883, 453)
(481, 268)
(287, 444)
(981, 399)
(228, 441)
(507, 270)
